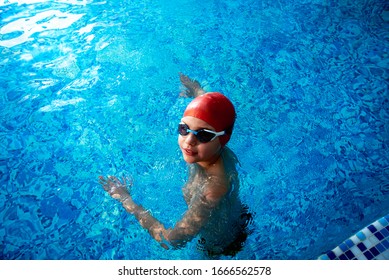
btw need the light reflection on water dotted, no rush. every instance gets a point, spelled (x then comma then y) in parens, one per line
(21, 2)
(39, 35)
(24, 28)
(91, 87)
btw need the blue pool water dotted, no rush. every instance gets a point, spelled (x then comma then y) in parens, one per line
(91, 87)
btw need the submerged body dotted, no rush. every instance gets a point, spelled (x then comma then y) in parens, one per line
(215, 213)
(225, 228)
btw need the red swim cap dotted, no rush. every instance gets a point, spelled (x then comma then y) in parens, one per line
(215, 109)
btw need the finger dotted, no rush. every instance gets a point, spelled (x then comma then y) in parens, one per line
(112, 180)
(102, 180)
(116, 181)
(106, 188)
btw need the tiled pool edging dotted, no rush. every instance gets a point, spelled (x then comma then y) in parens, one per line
(370, 243)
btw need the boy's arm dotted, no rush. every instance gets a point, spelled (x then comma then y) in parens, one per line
(184, 230)
(193, 87)
(118, 190)
(146, 220)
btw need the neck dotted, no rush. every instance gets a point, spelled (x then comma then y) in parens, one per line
(206, 165)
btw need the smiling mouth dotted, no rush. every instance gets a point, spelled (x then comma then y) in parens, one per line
(189, 152)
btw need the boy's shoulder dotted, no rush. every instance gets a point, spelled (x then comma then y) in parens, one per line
(216, 184)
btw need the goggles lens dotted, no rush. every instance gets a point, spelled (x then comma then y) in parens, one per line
(203, 135)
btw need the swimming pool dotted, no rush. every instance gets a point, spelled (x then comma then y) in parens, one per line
(91, 87)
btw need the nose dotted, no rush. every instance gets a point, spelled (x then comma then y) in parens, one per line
(190, 139)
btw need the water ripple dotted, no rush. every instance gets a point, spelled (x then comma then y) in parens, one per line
(20, 31)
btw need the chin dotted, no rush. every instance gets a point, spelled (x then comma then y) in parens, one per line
(189, 160)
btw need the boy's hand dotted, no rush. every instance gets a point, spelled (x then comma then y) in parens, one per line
(115, 187)
(193, 87)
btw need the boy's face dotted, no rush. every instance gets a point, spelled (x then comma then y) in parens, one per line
(192, 149)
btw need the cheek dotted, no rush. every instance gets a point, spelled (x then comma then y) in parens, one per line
(180, 140)
(209, 150)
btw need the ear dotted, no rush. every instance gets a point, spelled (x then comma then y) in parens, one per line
(229, 130)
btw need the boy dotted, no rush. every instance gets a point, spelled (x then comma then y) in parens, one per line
(215, 212)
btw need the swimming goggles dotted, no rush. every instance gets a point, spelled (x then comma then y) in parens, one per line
(203, 135)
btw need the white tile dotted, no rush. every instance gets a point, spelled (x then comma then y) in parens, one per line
(380, 257)
(374, 240)
(368, 243)
(362, 257)
(367, 232)
(337, 251)
(385, 254)
(356, 251)
(378, 225)
(355, 239)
